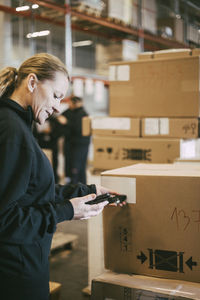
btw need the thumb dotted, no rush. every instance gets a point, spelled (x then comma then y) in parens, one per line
(89, 197)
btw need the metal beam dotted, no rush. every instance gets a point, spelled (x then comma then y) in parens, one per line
(100, 21)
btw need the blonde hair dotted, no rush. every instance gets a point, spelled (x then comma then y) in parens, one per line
(43, 65)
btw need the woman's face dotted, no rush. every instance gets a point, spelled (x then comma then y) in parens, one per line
(47, 95)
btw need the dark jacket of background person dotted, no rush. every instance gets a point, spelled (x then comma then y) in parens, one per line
(49, 140)
(75, 145)
(30, 206)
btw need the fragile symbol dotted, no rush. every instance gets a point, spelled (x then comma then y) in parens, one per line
(166, 260)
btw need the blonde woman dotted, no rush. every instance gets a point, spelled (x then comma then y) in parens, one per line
(30, 203)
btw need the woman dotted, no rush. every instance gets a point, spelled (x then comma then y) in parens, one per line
(30, 203)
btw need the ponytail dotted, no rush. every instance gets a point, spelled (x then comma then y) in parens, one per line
(8, 77)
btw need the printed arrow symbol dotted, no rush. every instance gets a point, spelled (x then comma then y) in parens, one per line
(142, 257)
(191, 263)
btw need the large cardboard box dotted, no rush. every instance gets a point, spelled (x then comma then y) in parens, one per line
(172, 53)
(111, 126)
(186, 128)
(145, 55)
(196, 51)
(155, 88)
(110, 285)
(159, 234)
(115, 152)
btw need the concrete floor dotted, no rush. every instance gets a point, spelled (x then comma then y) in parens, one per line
(70, 267)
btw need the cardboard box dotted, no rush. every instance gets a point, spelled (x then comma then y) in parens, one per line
(172, 53)
(145, 55)
(117, 286)
(115, 152)
(196, 52)
(156, 88)
(149, 15)
(174, 25)
(111, 126)
(159, 234)
(186, 128)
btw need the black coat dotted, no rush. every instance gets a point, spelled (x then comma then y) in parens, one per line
(73, 128)
(30, 206)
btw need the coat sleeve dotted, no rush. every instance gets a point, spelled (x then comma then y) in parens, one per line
(21, 223)
(69, 191)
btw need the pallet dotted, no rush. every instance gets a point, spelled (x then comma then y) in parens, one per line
(91, 11)
(54, 288)
(63, 241)
(86, 291)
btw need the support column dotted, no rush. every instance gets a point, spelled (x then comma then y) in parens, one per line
(68, 39)
(5, 37)
(139, 25)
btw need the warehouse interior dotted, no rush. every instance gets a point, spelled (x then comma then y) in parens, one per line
(135, 64)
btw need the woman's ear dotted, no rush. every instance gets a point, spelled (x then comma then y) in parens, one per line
(32, 82)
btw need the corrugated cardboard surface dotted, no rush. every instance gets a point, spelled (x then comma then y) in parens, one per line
(186, 128)
(145, 55)
(156, 88)
(117, 286)
(196, 51)
(115, 152)
(159, 235)
(172, 53)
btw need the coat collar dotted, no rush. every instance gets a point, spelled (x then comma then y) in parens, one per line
(26, 115)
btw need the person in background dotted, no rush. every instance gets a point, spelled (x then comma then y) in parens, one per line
(75, 144)
(31, 204)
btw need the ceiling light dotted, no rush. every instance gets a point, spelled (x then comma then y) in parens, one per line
(37, 34)
(22, 8)
(34, 6)
(82, 43)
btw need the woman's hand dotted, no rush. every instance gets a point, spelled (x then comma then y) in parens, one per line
(100, 190)
(86, 211)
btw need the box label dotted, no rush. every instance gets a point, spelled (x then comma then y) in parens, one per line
(124, 185)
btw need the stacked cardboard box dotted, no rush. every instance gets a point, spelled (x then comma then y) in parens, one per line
(155, 234)
(110, 285)
(162, 87)
(160, 91)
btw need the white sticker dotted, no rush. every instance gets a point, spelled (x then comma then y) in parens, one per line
(123, 73)
(111, 123)
(112, 73)
(121, 185)
(164, 126)
(187, 149)
(151, 126)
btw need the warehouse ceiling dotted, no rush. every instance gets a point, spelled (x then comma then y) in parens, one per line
(88, 20)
